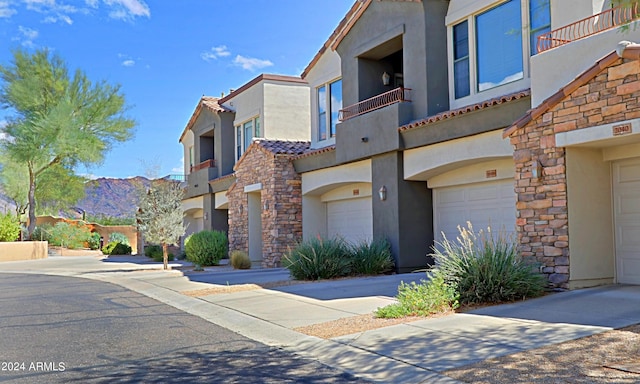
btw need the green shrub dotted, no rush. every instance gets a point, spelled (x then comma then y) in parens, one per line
(69, 235)
(152, 250)
(42, 233)
(119, 238)
(423, 299)
(240, 260)
(9, 227)
(206, 247)
(371, 258)
(94, 240)
(486, 268)
(116, 248)
(318, 258)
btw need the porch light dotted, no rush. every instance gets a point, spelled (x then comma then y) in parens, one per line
(385, 78)
(382, 192)
(536, 170)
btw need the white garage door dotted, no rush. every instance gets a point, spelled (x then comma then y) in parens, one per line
(626, 202)
(352, 219)
(483, 204)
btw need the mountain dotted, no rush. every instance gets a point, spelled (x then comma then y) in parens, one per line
(113, 197)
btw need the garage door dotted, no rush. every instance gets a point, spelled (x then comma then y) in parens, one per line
(483, 204)
(352, 219)
(626, 202)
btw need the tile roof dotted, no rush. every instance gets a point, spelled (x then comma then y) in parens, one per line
(316, 151)
(565, 91)
(466, 109)
(283, 147)
(208, 102)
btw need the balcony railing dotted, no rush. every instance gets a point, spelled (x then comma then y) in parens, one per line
(394, 96)
(205, 164)
(608, 19)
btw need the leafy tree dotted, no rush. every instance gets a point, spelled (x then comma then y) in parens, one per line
(59, 120)
(160, 216)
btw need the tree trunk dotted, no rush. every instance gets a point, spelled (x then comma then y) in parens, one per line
(165, 255)
(32, 204)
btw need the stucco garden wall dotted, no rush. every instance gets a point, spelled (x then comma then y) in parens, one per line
(23, 250)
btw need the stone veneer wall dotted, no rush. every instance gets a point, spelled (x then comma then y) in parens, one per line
(541, 210)
(281, 194)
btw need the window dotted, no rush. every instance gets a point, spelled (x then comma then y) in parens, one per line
(245, 133)
(539, 20)
(488, 49)
(329, 106)
(461, 59)
(190, 158)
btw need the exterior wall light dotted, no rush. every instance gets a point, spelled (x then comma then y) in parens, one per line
(206, 216)
(536, 170)
(385, 78)
(382, 193)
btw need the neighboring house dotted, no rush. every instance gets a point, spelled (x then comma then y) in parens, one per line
(6, 205)
(577, 151)
(224, 191)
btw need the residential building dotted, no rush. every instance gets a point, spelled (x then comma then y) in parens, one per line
(577, 170)
(226, 140)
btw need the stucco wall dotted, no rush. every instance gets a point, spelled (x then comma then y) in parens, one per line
(24, 250)
(287, 112)
(325, 70)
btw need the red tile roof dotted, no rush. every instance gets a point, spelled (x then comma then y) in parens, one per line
(317, 151)
(283, 147)
(211, 103)
(466, 109)
(565, 91)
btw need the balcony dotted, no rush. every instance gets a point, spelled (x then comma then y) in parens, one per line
(586, 27)
(394, 96)
(198, 179)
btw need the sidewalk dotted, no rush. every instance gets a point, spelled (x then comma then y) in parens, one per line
(415, 352)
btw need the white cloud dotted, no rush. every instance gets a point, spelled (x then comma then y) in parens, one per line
(92, 3)
(250, 63)
(215, 52)
(129, 63)
(27, 36)
(5, 10)
(180, 168)
(128, 9)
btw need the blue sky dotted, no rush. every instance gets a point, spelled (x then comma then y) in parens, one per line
(166, 54)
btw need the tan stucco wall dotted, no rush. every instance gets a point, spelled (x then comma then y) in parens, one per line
(426, 162)
(590, 218)
(287, 113)
(323, 180)
(24, 250)
(188, 142)
(474, 173)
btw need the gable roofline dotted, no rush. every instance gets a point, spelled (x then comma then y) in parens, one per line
(347, 21)
(259, 78)
(275, 148)
(211, 103)
(625, 50)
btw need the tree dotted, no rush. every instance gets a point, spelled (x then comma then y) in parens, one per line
(59, 120)
(160, 216)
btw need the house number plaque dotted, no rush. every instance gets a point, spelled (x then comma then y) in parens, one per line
(622, 129)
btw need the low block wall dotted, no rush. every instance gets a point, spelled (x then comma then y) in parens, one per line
(23, 250)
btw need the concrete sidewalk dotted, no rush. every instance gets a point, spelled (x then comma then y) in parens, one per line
(414, 352)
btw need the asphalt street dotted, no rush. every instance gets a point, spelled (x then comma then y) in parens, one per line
(69, 330)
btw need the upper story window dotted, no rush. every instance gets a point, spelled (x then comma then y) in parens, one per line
(490, 48)
(329, 106)
(245, 133)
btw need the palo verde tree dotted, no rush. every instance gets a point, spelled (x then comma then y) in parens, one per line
(59, 120)
(160, 216)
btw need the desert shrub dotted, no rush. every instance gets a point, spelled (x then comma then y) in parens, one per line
(206, 247)
(69, 235)
(318, 258)
(119, 238)
(240, 260)
(421, 299)
(9, 227)
(152, 250)
(116, 248)
(42, 233)
(486, 268)
(94, 241)
(371, 258)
